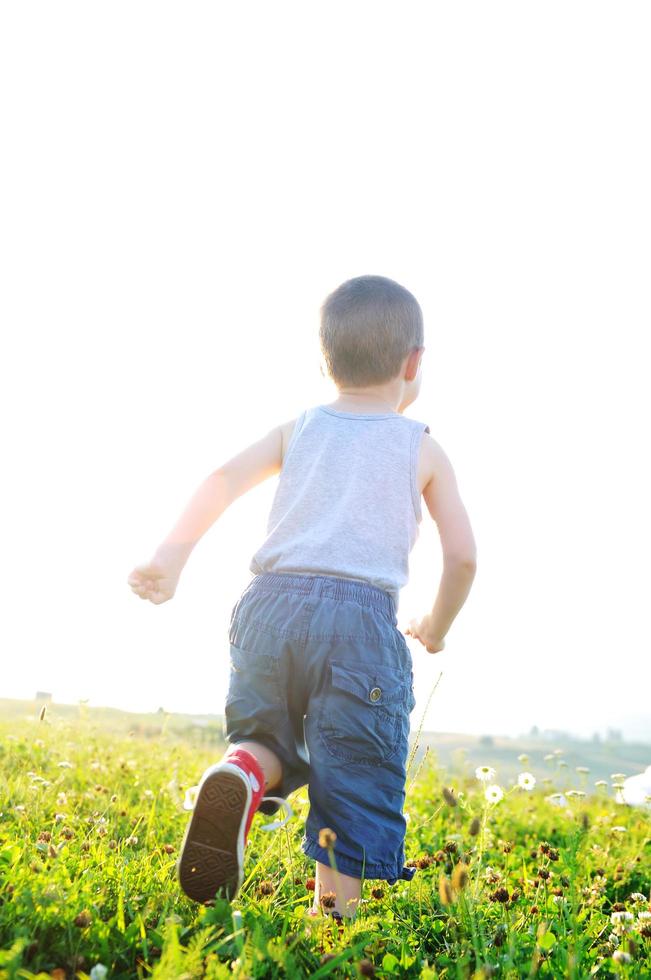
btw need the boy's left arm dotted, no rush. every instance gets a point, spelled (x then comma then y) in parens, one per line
(157, 579)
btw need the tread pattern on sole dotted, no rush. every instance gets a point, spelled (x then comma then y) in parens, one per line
(209, 858)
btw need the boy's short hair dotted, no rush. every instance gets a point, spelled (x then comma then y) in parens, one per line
(368, 326)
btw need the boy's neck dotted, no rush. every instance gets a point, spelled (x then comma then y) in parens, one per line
(359, 400)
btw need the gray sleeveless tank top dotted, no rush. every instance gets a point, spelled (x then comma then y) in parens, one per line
(347, 500)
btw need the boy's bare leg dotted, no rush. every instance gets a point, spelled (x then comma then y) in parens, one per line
(269, 761)
(348, 890)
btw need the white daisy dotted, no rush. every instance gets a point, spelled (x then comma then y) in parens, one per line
(526, 780)
(493, 793)
(485, 773)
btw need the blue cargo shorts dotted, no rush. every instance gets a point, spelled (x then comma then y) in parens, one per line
(322, 676)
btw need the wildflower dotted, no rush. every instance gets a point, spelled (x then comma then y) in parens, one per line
(266, 888)
(445, 890)
(83, 920)
(168, 848)
(500, 935)
(45, 836)
(130, 841)
(575, 792)
(553, 854)
(310, 884)
(618, 775)
(62, 799)
(449, 796)
(473, 830)
(637, 897)
(377, 893)
(493, 793)
(65, 765)
(328, 900)
(99, 972)
(460, 877)
(644, 914)
(526, 780)
(327, 837)
(618, 917)
(558, 751)
(544, 847)
(523, 758)
(366, 968)
(549, 757)
(485, 773)
(148, 794)
(620, 956)
(557, 799)
(601, 782)
(67, 832)
(618, 830)
(59, 817)
(499, 895)
(583, 769)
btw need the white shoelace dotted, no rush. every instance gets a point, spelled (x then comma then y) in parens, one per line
(191, 799)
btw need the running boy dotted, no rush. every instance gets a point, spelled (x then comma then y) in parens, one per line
(321, 682)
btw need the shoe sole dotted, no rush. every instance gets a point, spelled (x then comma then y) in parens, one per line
(212, 852)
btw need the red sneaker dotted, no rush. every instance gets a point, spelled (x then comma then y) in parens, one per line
(212, 851)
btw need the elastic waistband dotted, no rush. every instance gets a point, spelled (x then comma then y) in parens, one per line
(325, 585)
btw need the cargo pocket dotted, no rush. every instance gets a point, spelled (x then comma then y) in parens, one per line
(362, 712)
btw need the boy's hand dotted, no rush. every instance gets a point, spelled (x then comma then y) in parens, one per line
(154, 581)
(423, 631)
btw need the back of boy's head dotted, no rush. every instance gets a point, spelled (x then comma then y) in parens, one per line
(368, 326)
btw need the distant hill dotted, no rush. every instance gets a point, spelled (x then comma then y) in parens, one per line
(455, 752)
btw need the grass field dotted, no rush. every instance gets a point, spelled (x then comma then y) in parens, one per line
(91, 820)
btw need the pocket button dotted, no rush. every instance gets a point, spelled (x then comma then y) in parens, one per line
(375, 694)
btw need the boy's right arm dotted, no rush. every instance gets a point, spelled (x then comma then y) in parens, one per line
(157, 579)
(441, 494)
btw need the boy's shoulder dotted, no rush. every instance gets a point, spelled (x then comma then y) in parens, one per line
(430, 458)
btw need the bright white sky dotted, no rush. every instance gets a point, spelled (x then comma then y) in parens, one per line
(182, 186)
